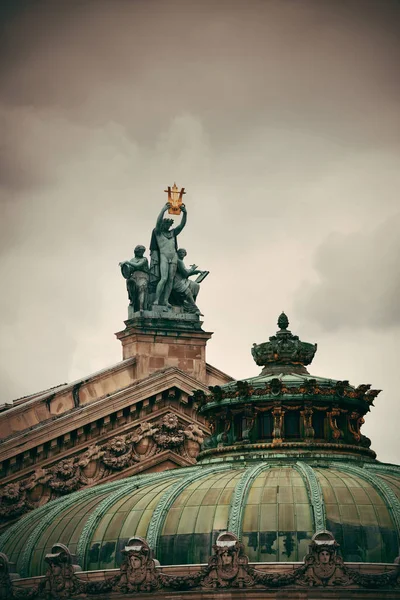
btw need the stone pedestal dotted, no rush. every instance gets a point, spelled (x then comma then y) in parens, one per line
(159, 339)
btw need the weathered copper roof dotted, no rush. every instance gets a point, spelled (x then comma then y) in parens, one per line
(275, 508)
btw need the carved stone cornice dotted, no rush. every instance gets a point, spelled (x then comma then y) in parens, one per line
(85, 415)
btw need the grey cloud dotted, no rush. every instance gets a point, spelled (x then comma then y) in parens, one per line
(279, 117)
(358, 280)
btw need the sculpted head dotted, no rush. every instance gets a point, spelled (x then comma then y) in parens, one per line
(166, 224)
(135, 561)
(226, 558)
(324, 557)
(139, 251)
(182, 253)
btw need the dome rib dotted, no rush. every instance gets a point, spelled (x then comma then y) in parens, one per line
(314, 493)
(160, 512)
(384, 469)
(391, 500)
(96, 516)
(52, 513)
(239, 498)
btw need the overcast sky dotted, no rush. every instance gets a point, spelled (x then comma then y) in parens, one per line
(282, 120)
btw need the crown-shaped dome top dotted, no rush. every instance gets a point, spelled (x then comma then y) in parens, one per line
(283, 350)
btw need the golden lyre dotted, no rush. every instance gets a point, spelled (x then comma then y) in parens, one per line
(175, 199)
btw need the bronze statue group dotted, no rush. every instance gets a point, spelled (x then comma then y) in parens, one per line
(166, 281)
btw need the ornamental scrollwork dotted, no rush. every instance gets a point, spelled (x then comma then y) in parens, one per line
(14, 500)
(99, 461)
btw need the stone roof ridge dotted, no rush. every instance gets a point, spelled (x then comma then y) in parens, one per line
(66, 386)
(217, 371)
(22, 399)
(152, 378)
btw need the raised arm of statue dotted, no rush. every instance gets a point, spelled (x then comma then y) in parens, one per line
(182, 224)
(160, 218)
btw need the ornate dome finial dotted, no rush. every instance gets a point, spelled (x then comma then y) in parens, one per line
(283, 321)
(283, 350)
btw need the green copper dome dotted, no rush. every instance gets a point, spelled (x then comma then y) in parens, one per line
(286, 459)
(274, 507)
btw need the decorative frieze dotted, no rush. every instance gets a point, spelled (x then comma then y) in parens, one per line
(227, 568)
(100, 461)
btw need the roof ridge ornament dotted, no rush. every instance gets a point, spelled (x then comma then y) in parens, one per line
(284, 348)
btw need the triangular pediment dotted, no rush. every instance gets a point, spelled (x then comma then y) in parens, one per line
(110, 433)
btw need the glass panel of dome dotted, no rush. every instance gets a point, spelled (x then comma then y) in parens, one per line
(384, 517)
(287, 546)
(376, 498)
(343, 495)
(360, 496)
(187, 520)
(254, 496)
(212, 495)
(349, 513)
(144, 522)
(101, 528)
(273, 480)
(300, 494)
(268, 546)
(205, 518)
(269, 495)
(226, 495)
(221, 517)
(16, 545)
(332, 512)
(285, 494)
(250, 541)
(107, 554)
(65, 522)
(303, 517)
(259, 481)
(181, 499)
(115, 525)
(196, 497)
(93, 556)
(268, 518)
(286, 517)
(250, 520)
(367, 514)
(172, 520)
